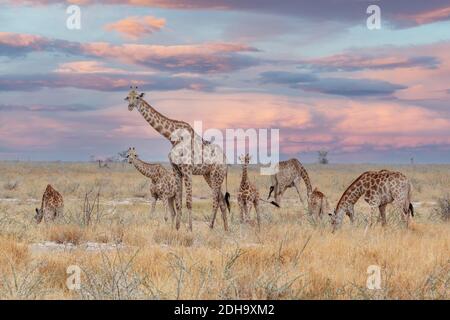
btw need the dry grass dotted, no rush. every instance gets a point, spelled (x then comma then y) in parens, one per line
(293, 257)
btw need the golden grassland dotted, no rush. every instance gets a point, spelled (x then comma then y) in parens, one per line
(138, 256)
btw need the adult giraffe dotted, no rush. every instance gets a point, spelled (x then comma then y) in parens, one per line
(190, 155)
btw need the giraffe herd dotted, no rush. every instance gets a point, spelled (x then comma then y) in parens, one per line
(379, 188)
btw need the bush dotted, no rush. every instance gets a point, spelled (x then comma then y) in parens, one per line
(65, 234)
(11, 185)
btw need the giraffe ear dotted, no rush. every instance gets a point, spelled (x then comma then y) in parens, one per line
(127, 98)
(141, 95)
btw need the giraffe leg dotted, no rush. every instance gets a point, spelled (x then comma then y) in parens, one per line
(218, 199)
(207, 178)
(351, 216)
(220, 202)
(152, 205)
(178, 205)
(215, 207)
(59, 212)
(248, 209)
(179, 192)
(373, 212)
(404, 209)
(258, 217)
(241, 209)
(382, 209)
(172, 210)
(188, 184)
(297, 187)
(165, 202)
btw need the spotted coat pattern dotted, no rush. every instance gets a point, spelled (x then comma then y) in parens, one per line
(378, 188)
(52, 206)
(248, 194)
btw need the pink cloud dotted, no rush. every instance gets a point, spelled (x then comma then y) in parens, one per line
(137, 27)
(427, 16)
(197, 58)
(340, 124)
(86, 66)
(35, 131)
(92, 66)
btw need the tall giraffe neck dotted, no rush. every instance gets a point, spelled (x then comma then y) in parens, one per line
(352, 194)
(161, 123)
(305, 176)
(150, 170)
(244, 172)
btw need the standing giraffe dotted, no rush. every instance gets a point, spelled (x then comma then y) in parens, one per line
(317, 204)
(379, 189)
(248, 193)
(289, 174)
(52, 206)
(164, 185)
(209, 161)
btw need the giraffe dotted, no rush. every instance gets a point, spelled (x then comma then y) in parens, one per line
(248, 194)
(317, 204)
(379, 189)
(210, 162)
(289, 174)
(52, 206)
(164, 186)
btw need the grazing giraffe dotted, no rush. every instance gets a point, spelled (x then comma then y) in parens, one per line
(317, 204)
(164, 186)
(209, 161)
(379, 189)
(52, 206)
(289, 174)
(248, 194)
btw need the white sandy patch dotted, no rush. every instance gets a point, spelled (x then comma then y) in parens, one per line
(88, 246)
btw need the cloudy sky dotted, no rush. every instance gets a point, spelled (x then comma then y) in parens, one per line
(309, 68)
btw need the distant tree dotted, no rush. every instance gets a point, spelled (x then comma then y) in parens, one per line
(122, 155)
(323, 157)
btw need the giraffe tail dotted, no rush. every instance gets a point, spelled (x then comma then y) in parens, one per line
(227, 194)
(271, 202)
(411, 209)
(227, 201)
(275, 204)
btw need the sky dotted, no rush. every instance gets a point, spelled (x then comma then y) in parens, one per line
(312, 69)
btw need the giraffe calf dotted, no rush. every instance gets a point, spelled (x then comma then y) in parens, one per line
(317, 204)
(52, 205)
(165, 186)
(248, 194)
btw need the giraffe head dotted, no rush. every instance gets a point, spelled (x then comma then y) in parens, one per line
(336, 217)
(131, 154)
(134, 98)
(245, 159)
(39, 215)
